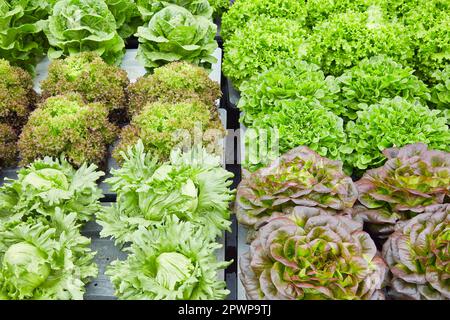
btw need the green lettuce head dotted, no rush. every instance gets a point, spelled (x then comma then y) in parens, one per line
(83, 25)
(148, 8)
(164, 126)
(376, 78)
(291, 127)
(412, 179)
(47, 186)
(291, 80)
(40, 261)
(127, 16)
(418, 255)
(393, 123)
(174, 262)
(88, 75)
(17, 97)
(22, 40)
(175, 34)
(191, 186)
(308, 255)
(67, 125)
(174, 82)
(242, 11)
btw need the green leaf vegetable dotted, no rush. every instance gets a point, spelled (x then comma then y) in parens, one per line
(175, 34)
(45, 262)
(83, 25)
(66, 125)
(298, 178)
(320, 10)
(297, 123)
(440, 91)
(163, 127)
(261, 45)
(127, 16)
(393, 123)
(417, 255)
(219, 7)
(242, 11)
(289, 80)
(22, 40)
(175, 262)
(376, 78)
(191, 186)
(87, 74)
(311, 256)
(48, 186)
(174, 82)
(345, 38)
(412, 179)
(148, 8)
(8, 146)
(17, 96)
(427, 24)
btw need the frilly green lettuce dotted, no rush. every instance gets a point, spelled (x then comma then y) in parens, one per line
(174, 34)
(192, 186)
(308, 255)
(174, 262)
(48, 185)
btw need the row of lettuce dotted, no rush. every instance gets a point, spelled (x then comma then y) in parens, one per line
(167, 218)
(345, 78)
(305, 218)
(166, 30)
(85, 105)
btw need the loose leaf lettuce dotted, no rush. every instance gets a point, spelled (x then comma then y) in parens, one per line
(260, 45)
(345, 38)
(311, 256)
(376, 78)
(299, 178)
(297, 123)
(290, 79)
(393, 123)
(22, 40)
(417, 255)
(242, 11)
(412, 179)
(175, 34)
(191, 186)
(83, 25)
(45, 262)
